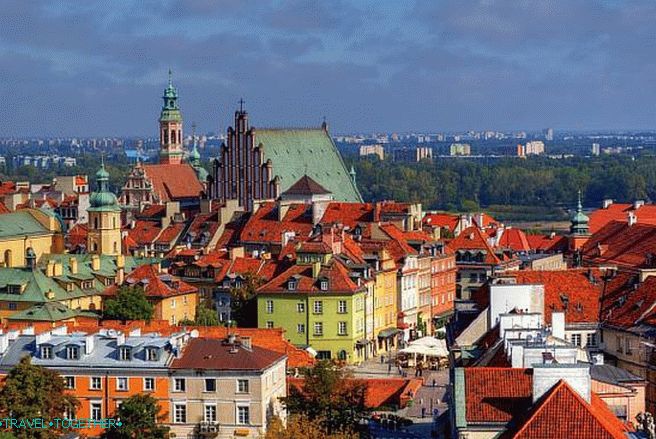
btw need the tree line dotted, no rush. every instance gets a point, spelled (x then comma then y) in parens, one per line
(459, 184)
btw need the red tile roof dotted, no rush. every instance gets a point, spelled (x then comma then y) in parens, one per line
(336, 274)
(348, 214)
(3, 208)
(306, 186)
(144, 232)
(546, 243)
(619, 212)
(153, 211)
(514, 239)
(562, 413)
(442, 220)
(497, 394)
(217, 354)
(172, 182)
(264, 226)
(473, 239)
(583, 296)
(620, 244)
(77, 235)
(155, 284)
(7, 187)
(171, 234)
(627, 302)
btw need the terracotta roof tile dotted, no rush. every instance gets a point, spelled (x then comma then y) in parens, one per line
(514, 239)
(336, 274)
(621, 244)
(619, 212)
(442, 220)
(174, 181)
(217, 354)
(497, 394)
(155, 284)
(473, 239)
(264, 226)
(348, 214)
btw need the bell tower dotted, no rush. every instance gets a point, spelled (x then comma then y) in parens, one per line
(104, 236)
(170, 127)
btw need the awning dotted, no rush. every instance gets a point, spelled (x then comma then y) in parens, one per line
(389, 332)
(363, 342)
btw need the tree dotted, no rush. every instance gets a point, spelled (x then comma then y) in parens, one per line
(331, 397)
(299, 427)
(130, 303)
(244, 303)
(140, 418)
(205, 316)
(32, 391)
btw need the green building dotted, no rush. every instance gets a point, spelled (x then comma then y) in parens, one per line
(320, 304)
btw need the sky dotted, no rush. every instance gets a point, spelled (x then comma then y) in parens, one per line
(87, 68)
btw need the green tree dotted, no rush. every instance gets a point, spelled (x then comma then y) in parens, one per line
(244, 303)
(140, 418)
(32, 391)
(330, 396)
(130, 303)
(206, 315)
(299, 427)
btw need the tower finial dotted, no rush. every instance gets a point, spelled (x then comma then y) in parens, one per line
(579, 207)
(170, 77)
(102, 160)
(241, 105)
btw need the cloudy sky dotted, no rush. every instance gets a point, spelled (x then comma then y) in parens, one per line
(99, 68)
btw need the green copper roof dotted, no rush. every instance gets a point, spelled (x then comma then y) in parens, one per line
(50, 312)
(170, 109)
(580, 221)
(299, 152)
(20, 223)
(103, 200)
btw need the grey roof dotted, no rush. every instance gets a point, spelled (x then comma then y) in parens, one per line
(612, 375)
(103, 355)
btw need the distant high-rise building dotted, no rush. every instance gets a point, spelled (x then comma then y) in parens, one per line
(376, 149)
(460, 149)
(596, 149)
(535, 147)
(548, 134)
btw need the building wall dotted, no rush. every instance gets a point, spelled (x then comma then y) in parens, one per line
(443, 285)
(385, 305)
(177, 308)
(631, 397)
(104, 233)
(12, 250)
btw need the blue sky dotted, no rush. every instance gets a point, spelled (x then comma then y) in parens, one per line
(99, 68)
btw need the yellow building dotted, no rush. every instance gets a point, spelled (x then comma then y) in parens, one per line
(28, 228)
(104, 218)
(385, 301)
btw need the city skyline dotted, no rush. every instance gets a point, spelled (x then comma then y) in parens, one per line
(99, 70)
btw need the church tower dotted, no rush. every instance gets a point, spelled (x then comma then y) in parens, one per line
(170, 127)
(579, 230)
(104, 236)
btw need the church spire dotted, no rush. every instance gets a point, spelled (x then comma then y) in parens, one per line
(580, 220)
(170, 126)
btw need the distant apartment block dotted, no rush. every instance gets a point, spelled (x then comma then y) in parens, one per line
(549, 134)
(43, 161)
(596, 149)
(417, 154)
(460, 149)
(376, 149)
(535, 147)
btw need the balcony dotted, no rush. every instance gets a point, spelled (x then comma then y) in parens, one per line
(207, 429)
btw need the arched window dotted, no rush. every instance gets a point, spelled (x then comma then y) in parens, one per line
(114, 222)
(166, 136)
(95, 222)
(8, 261)
(95, 246)
(342, 355)
(115, 247)
(180, 136)
(173, 136)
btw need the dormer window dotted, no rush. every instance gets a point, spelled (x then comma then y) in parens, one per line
(151, 354)
(46, 352)
(125, 353)
(291, 284)
(323, 285)
(87, 285)
(72, 352)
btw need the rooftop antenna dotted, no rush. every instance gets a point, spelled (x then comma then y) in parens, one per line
(241, 105)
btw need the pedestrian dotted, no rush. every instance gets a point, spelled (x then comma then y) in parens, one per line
(382, 359)
(423, 412)
(389, 368)
(434, 383)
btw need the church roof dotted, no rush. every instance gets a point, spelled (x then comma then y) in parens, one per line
(306, 186)
(311, 152)
(173, 182)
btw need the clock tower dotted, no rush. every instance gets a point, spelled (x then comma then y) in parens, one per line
(170, 128)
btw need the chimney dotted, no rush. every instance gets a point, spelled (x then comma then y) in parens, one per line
(72, 263)
(637, 204)
(120, 276)
(575, 375)
(59, 269)
(316, 269)
(246, 343)
(4, 343)
(95, 262)
(50, 295)
(607, 203)
(282, 210)
(558, 325)
(205, 206)
(120, 261)
(236, 252)
(88, 344)
(158, 267)
(50, 268)
(632, 218)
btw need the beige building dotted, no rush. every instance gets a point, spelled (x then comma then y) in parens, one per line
(28, 228)
(104, 236)
(376, 149)
(225, 388)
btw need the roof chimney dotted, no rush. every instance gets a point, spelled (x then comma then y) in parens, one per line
(607, 203)
(637, 204)
(316, 269)
(632, 218)
(95, 262)
(72, 262)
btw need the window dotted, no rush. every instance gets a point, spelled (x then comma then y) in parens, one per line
(300, 307)
(172, 303)
(179, 385)
(69, 382)
(151, 354)
(269, 324)
(242, 386)
(73, 352)
(576, 339)
(96, 383)
(210, 385)
(243, 415)
(291, 284)
(124, 353)
(324, 285)
(341, 307)
(300, 328)
(269, 306)
(122, 384)
(96, 411)
(179, 413)
(591, 339)
(46, 352)
(12, 306)
(627, 346)
(69, 412)
(318, 307)
(341, 328)
(210, 413)
(318, 328)
(149, 384)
